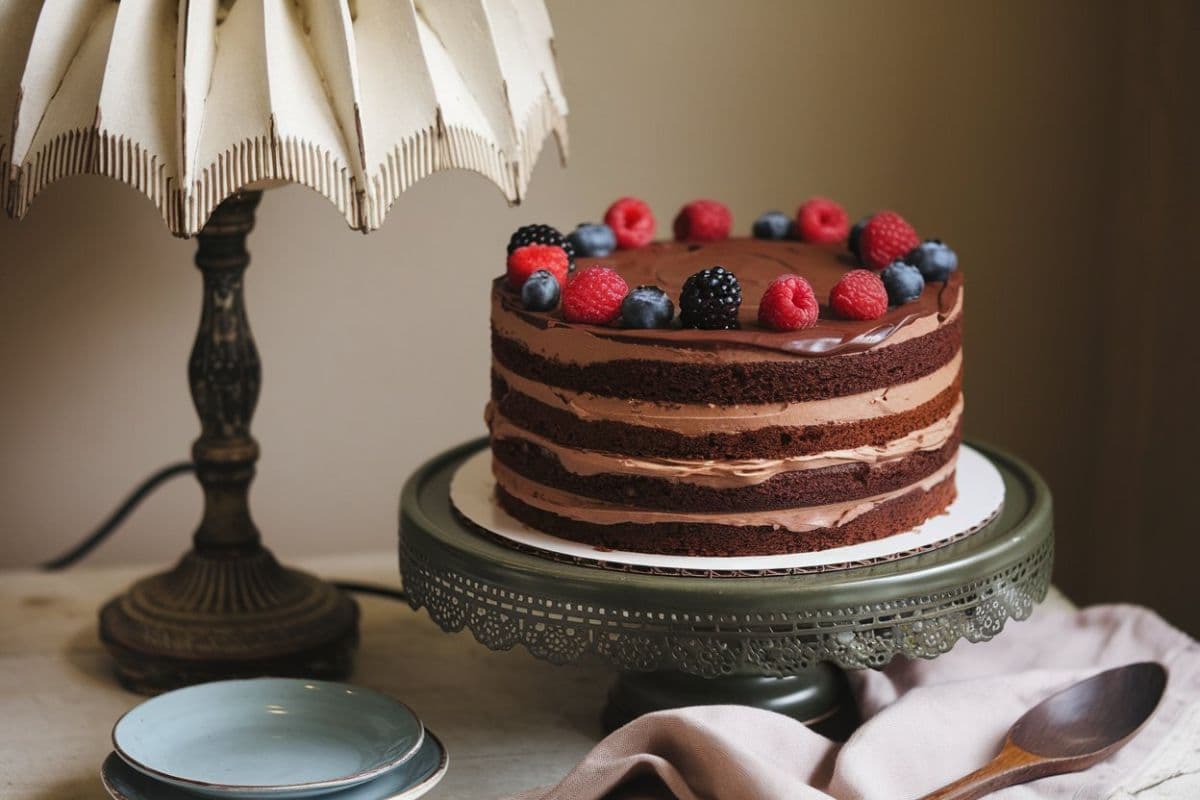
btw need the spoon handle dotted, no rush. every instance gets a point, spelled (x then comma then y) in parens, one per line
(1012, 766)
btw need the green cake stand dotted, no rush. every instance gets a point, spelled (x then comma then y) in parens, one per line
(775, 641)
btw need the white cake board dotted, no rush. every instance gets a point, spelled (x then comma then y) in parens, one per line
(980, 497)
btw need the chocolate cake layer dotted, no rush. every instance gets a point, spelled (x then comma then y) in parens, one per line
(792, 489)
(797, 380)
(707, 539)
(767, 442)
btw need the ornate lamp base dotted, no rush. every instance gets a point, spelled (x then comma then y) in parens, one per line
(213, 618)
(227, 609)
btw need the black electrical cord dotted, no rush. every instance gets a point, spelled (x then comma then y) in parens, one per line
(117, 517)
(371, 588)
(140, 493)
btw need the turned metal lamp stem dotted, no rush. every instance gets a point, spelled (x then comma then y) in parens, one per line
(227, 609)
(225, 375)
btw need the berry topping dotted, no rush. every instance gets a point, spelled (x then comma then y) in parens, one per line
(822, 221)
(856, 236)
(859, 295)
(789, 304)
(594, 296)
(540, 234)
(592, 241)
(710, 300)
(632, 221)
(703, 221)
(524, 261)
(935, 260)
(885, 238)
(773, 225)
(647, 307)
(540, 291)
(903, 282)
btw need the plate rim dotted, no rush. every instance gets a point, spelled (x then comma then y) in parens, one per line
(231, 789)
(433, 778)
(427, 784)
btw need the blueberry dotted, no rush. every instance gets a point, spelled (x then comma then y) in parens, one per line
(855, 236)
(935, 260)
(773, 225)
(647, 307)
(593, 241)
(903, 282)
(540, 292)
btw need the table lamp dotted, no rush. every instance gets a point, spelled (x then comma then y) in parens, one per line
(201, 104)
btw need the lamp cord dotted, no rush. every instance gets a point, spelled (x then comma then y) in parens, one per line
(143, 490)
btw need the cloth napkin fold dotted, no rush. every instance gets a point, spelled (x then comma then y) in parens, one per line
(926, 723)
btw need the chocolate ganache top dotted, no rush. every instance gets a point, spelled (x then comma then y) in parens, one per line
(755, 262)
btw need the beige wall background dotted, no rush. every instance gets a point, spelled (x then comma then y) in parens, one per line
(1051, 143)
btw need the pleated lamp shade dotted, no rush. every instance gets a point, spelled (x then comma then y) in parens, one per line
(190, 100)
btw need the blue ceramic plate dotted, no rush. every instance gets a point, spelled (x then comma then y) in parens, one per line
(267, 738)
(410, 780)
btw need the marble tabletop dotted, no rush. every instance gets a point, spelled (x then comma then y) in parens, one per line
(509, 721)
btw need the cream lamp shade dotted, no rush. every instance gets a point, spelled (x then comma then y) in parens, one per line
(189, 101)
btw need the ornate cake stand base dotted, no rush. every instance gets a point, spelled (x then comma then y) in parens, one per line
(818, 696)
(777, 639)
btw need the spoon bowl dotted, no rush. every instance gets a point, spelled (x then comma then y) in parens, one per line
(1094, 716)
(1069, 731)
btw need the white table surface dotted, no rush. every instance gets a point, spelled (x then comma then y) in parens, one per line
(508, 720)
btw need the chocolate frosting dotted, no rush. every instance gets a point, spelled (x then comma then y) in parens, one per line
(756, 263)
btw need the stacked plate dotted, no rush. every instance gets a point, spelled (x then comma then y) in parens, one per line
(272, 739)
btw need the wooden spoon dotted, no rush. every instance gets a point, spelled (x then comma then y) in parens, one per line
(1069, 731)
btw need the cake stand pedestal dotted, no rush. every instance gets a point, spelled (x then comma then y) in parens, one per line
(775, 641)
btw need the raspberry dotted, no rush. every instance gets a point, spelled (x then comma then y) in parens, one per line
(594, 296)
(632, 221)
(789, 304)
(860, 294)
(527, 260)
(703, 221)
(886, 237)
(822, 221)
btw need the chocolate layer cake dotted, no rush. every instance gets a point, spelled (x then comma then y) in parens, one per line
(727, 442)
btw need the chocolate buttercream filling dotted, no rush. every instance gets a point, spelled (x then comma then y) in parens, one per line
(799, 520)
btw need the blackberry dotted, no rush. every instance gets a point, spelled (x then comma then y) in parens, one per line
(710, 300)
(541, 234)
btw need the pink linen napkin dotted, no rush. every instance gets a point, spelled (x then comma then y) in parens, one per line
(926, 724)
